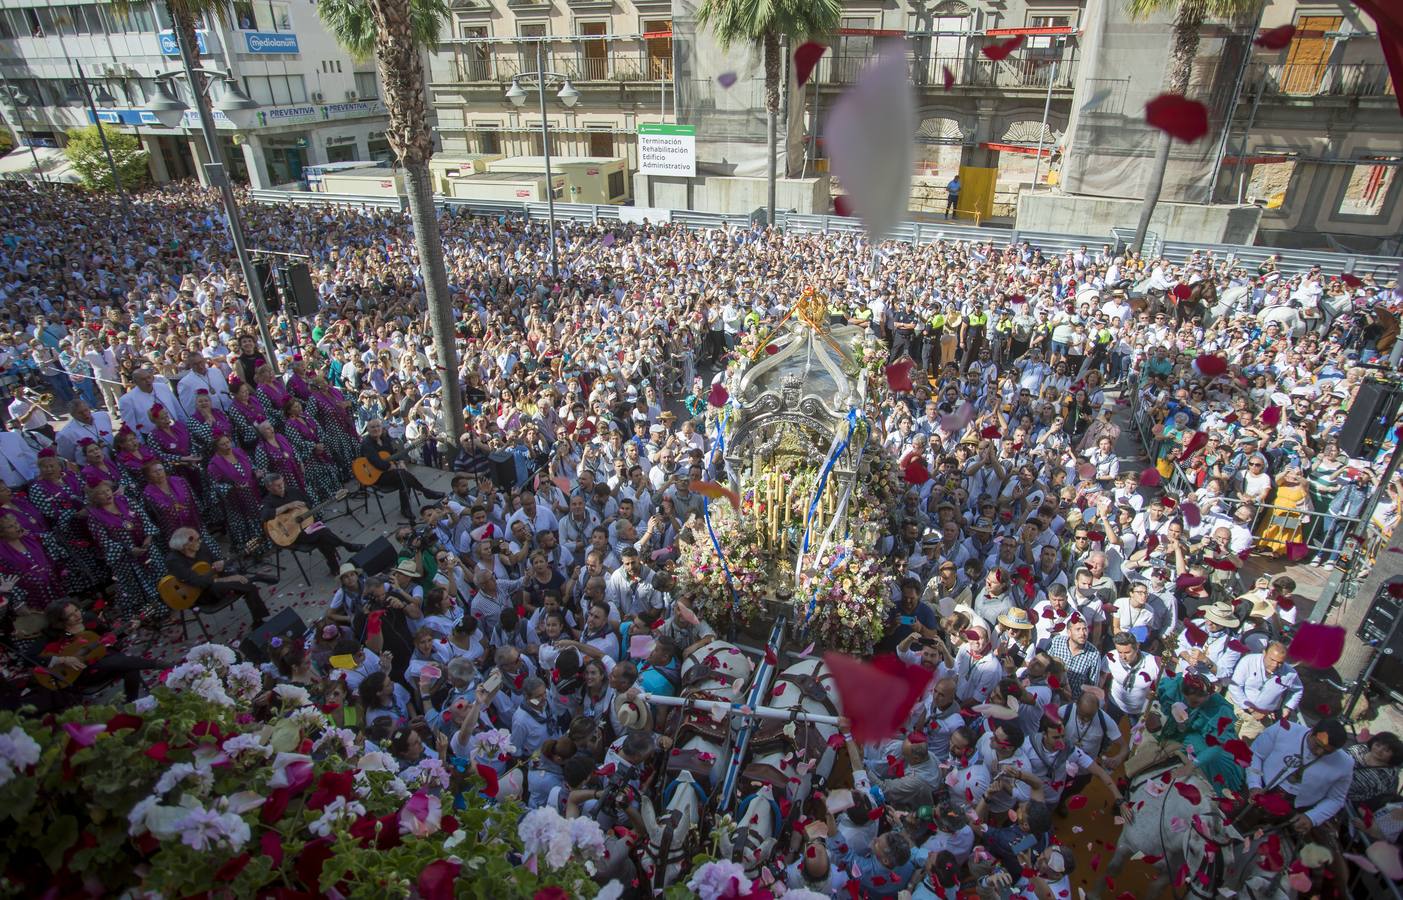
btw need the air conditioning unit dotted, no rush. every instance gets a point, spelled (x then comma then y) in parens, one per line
(317, 96)
(352, 96)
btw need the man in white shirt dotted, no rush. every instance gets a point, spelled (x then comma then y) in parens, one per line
(136, 403)
(19, 460)
(85, 425)
(1306, 766)
(104, 363)
(1264, 688)
(202, 377)
(1133, 675)
(26, 412)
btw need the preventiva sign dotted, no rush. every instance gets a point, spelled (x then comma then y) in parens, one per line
(270, 42)
(667, 150)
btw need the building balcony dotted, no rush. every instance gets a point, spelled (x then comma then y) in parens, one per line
(1304, 80)
(1027, 73)
(470, 65)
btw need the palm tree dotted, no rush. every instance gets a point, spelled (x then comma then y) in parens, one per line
(396, 32)
(766, 23)
(1188, 21)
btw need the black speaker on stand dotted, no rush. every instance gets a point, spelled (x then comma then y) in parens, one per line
(297, 285)
(268, 280)
(287, 625)
(1366, 426)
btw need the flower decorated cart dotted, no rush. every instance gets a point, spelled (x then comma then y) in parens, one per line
(794, 434)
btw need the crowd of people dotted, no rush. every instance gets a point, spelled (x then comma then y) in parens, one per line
(1076, 613)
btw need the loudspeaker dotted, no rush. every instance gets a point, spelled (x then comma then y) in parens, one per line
(376, 557)
(268, 281)
(297, 287)
(287, 625)
(1366, 425)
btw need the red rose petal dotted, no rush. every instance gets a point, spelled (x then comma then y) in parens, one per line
(899, 375)
(1002, 49)
(1196, 636)
(991, 432)
(726, 79)
(842, 206)
(1182, 291)
(949, 77)
(805, 58)
(1275, 38)
(876, 697)
(489, 775)
(1076, 802)
(718, 395)
(1317, 645)
(1189, 792)
(915, 472)
(1296, 551)
(1181, 118)
(1352, 281)
(1150, 477)
(1271, 416)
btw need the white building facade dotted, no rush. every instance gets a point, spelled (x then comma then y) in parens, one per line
(316, 105)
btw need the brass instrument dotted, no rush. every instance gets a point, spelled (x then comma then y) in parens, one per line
(46, 399)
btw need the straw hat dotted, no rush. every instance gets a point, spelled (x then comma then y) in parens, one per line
(1016, 617)
(633, 715)
(1221, 613)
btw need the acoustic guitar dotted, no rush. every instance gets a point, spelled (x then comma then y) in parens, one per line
(86, 646)
(177, 594)
(368, 474)
(284, 529)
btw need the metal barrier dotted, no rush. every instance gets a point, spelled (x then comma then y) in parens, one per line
(916, 231)
(1315, 526)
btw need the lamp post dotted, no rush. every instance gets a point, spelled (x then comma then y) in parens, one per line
(19, 100)
(107, 100)
(236, 105)
(569, 96)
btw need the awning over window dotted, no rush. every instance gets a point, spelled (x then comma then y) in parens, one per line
(18, 165)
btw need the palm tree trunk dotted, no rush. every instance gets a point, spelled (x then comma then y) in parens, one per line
(773, 67)
(429, 245)
(402, 76)
(1187, 23)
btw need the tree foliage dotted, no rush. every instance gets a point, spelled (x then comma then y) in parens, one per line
(353, 25)
(84, 151)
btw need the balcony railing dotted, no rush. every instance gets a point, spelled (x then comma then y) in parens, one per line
(470, 64)
(929, 71)
(1321, 80)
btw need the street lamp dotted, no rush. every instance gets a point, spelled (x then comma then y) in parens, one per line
(107, 99)
(236, 105)
(567, 95)
(20, 100)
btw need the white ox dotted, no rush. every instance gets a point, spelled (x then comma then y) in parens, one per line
(1192, 845)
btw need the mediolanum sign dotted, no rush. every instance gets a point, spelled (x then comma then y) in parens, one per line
(270, 42)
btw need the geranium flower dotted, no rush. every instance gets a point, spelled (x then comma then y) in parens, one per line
(720, 880)
(421, 815)
(292, 771)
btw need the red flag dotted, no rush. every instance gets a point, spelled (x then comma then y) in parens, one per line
(876, 697)
(1275, 38)
(1002, 49)
(805, 58)
(1183, 119)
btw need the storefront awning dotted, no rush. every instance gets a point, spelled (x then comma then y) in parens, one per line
(18, 164)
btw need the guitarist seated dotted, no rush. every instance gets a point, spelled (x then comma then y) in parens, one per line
(280, 498)
(80, 649)
(186, 549)
(393, 474)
